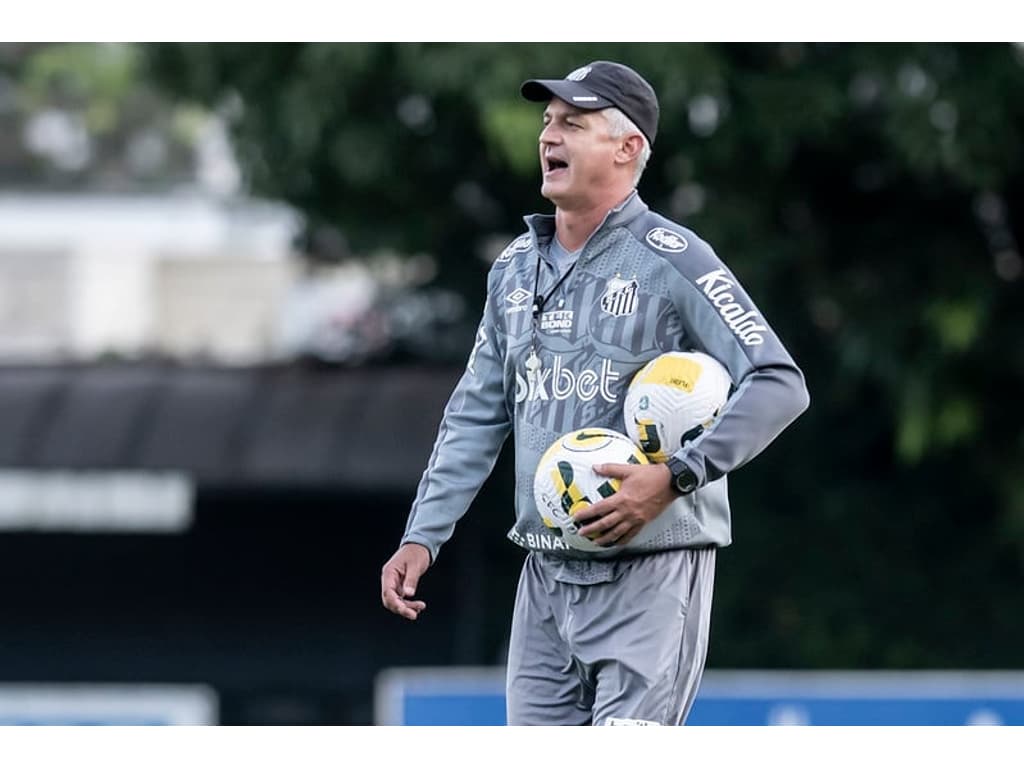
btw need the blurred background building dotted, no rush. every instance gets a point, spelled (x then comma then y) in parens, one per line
(87, 276)
(238, 281)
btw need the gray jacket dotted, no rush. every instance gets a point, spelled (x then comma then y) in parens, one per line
(642, 285)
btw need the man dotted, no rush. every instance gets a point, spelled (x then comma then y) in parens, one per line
(575, 306)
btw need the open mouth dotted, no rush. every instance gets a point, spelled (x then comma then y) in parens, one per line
(554, 164)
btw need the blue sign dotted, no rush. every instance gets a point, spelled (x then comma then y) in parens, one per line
(476, 696)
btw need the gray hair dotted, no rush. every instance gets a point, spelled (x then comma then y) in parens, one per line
(620, 125)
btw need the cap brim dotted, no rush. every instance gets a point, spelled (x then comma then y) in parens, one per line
(567, 90)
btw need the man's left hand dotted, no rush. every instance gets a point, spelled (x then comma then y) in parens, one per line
(645, 492)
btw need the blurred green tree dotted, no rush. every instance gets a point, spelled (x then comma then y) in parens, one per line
(869, 196)
(82, 116)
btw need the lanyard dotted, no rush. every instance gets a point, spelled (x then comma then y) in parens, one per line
(539, 301)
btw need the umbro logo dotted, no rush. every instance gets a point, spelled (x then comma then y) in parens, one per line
(517, 300)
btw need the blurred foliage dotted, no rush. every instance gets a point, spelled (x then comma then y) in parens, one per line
(868, 196)
(82, 115)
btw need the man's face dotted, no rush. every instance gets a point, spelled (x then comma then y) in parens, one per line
(577, 156)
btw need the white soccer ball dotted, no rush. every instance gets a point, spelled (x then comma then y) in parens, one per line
(565, 481)
(673, 399)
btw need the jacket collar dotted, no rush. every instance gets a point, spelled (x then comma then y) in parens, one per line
(542, 225)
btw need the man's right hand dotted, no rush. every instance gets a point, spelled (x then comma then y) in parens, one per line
(399, 577)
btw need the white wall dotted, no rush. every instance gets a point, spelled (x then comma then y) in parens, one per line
(87, 275)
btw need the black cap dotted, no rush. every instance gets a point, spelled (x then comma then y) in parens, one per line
(599, 85)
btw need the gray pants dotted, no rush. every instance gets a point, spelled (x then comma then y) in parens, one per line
(627, 651)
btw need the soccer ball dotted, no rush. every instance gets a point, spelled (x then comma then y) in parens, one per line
(565, 481)
(673, 399)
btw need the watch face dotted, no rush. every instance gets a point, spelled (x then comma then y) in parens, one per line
(685, 480)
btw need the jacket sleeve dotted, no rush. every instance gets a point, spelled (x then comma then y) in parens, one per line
(769, 389)
(474, 426)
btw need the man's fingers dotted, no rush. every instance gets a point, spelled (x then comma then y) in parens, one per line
(401, 604)
(397, 589)
(409, 584)
(617, 535)
(400, 577)
(621, 471)
(390, 578)
(408, 609)
(593, 511)
(599, 526)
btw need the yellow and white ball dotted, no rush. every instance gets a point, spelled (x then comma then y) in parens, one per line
(565, 481)
(673, 399)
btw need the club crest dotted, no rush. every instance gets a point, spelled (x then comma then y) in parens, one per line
(620, 298)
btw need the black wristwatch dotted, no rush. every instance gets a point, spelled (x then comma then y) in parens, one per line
(683, 478)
